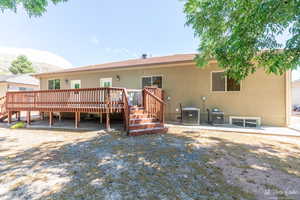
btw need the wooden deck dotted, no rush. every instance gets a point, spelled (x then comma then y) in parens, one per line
(86, 100)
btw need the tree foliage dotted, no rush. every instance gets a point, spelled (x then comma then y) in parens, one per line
(32, 7)
(239, 33)
(21, 65)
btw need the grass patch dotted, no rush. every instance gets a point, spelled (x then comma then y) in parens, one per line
(18, 125)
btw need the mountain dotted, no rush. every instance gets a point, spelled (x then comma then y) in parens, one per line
(42, 61)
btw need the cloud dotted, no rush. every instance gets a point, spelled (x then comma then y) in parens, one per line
(36, 56)
(114, 53)
(121, 52)
(94, 40)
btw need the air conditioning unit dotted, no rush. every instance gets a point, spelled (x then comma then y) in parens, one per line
(191, 116)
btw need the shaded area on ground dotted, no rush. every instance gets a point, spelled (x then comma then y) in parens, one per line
(179, 165)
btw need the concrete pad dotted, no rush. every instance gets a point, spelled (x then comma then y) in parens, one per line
(278, 131)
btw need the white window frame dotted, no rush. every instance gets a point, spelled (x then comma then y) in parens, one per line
(103, 80)
(258, 119)
(60, 83)
(74, 82)
(162, 80)
(211, 83)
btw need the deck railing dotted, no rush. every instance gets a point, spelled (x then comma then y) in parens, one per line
(101, 100)
(154, 104)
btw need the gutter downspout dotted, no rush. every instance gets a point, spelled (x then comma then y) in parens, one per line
(288, 99)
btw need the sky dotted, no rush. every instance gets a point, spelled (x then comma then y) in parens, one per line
(93, 31)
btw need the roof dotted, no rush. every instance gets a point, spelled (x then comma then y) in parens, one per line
(178, 58)
(21, 79)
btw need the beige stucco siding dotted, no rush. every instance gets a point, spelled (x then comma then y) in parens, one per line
(3, 89)
(261, 95)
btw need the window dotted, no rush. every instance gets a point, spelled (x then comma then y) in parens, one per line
(221, 83)
(75, 84)
(146, 81)
(54, 84)
(218, 81)
(106, 82)
(248, 122)
(22, 89)
(152, 81)
(232, 85)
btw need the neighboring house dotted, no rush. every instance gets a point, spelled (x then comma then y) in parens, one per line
(296, 92)
(17, 83)
(260, 96)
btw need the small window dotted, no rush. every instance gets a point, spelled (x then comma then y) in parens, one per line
(232, 85)
(146, 81)
(247, 122)
(157, 81)
(149, 81)
(54, 84)
(218, 81)
(222, 83)
(106, 82)
(75, 84)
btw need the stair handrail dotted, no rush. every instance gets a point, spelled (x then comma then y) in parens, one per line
(126, 109)
(154, 105)
(154, 96)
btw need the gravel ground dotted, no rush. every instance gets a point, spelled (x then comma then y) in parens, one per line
(41, 164)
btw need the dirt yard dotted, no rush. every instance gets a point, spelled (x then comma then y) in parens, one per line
(39, 164)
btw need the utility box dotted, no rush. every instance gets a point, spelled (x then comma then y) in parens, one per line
(191, 116)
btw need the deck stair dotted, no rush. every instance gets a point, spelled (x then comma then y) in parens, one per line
(141, 123)
(3, 111)
(4, 116)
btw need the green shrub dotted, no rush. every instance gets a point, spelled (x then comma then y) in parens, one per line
(18, 125)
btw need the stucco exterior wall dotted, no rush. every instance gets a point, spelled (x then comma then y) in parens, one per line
(261, 95)
(3, 89)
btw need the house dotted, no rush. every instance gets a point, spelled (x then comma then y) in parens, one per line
(296, 93)
(17, 83)
(260, 97)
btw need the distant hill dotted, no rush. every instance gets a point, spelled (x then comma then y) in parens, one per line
(42, 61)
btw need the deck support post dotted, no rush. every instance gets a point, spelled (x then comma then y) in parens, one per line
(42, 115)
(18, 115)
(124, 121)
(77, 116)
(107, 122)
(50, 119)
(28, 118)
(59, 116)
(100, 120)
(9, 117)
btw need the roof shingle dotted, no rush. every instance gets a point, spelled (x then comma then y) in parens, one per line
(129, 63)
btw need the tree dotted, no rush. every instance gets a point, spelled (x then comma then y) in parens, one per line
(32, 7)
(21, 65)
(242, 34)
